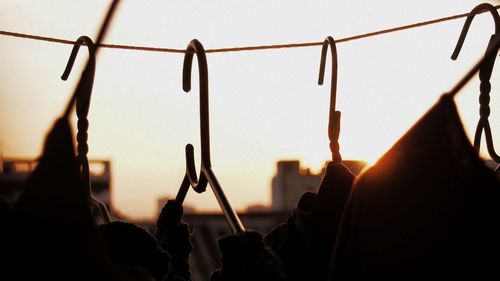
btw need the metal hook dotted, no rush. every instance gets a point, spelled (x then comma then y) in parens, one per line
(83, 94)
(479, 8)
(334, 116)
(206, 173)
(83, 91)
(82, 40)
(485, 72)
(195, 47)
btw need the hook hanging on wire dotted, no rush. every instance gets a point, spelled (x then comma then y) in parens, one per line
(83, 94)
(485, 72)
(84, 88)
(478, 9)
(207, 176)
(100, 37)
(334, 116)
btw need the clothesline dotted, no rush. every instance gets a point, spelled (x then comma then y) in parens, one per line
(247, 48)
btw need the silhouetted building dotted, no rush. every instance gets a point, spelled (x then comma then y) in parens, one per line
(258, 208)
(291, 181)
(15, 171)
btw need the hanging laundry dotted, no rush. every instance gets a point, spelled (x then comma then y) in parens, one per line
(51, 234)
(53, 193)
(305, 241)
(245, 257)
(50, 226)
(428, 209)
(175, 238)
(5, 210)
(133, 250)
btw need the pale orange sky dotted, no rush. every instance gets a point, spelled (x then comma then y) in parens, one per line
(265, 105)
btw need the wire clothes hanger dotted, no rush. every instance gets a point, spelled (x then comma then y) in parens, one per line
(83, 96)
(334, 116)
(485, 72)
(207, 176)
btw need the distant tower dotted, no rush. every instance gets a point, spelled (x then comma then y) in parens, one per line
(290, 183)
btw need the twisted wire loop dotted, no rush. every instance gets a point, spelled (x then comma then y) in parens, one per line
(484, 110)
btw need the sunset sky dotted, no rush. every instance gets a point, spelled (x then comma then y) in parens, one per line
(264, 105)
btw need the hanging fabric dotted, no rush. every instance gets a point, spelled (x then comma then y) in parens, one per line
(245, 257)
(428, 209)
(134, 252)
(174, 236)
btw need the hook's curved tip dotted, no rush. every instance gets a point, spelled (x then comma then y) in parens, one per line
(186, 69)
(67, 71)
(456, 52)
(328, 42)
(485, 7)
(322, 63)
(69, 66)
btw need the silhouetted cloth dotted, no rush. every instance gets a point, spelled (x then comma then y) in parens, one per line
(5, 213)
(305, 242)
(131, 246)
(53, 193)
(175, 238)
(245, 257)
(51, 236)
(428, 209)
(5, 210)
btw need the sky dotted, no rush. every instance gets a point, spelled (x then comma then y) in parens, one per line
(265, 105)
